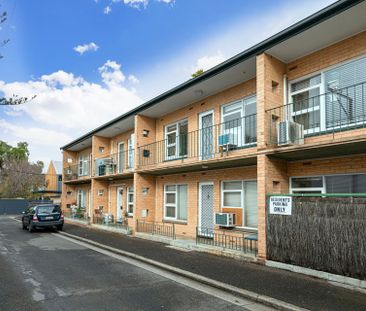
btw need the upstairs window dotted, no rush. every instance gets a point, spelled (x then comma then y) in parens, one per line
(176, 140)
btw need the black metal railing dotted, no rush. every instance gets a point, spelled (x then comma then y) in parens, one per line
(110, 221)
(76, 213)
(77, 171)
(204, 144)
(162, 229)
(246, 242)
(115, 163)
(339, 109)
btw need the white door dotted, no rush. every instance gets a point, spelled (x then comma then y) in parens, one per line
(206, 209)
(120, 157)
(206, 135)
(119, 204)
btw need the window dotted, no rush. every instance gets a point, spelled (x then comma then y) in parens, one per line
(331, 99)
(241, 194)
(306, 103)
(83, 166)
(355, 183)
(120, 157)
(130, 200)
(100, 192)
(81, 201)
(175, 202)
(240, 121)
(176, 140)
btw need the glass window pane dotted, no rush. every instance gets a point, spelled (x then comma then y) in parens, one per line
(170, 211)
(250, 108)
(339, 184)
(171, 128)
(250, 204)
(232, 185)
(182, 202)
(309, 120)
(233, 107)
(232, 120)
(359, 183)
(170, 198)
(305, 83)
(232, 199)
(170, 188)
(306, 100)
(307, 182)
(171, 151)
(171, 138)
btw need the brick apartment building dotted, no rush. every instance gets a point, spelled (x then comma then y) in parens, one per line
(287, 115)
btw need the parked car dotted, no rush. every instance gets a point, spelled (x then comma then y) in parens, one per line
(45, 216)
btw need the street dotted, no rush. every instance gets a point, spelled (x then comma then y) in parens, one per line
(43, 271)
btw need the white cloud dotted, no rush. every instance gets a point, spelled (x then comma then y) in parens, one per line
(81, 49)
(207, 62)
(107, 10)
(138, 4)
(133, 79)
(111, 73)
(66, 104)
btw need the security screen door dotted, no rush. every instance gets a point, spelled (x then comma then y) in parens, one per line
(206, 136)
(206, 214)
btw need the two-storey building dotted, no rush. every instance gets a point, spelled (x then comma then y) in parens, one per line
(287, 115)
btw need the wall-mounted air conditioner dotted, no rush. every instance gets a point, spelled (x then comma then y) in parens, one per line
(225, 219)
(290, 133)
(227, 139)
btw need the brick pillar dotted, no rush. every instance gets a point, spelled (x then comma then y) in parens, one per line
(270, 73)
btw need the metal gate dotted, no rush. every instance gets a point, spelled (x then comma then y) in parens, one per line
(206, 209)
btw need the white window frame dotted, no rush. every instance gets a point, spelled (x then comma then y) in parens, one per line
(175, 205)
(130, 190)
(222, 191)
(177, 142)
(241, 103)
(322, 93)
(83, 165)
(322, 189)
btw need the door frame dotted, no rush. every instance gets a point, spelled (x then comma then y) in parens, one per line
(118, 204)
(200, 115)
(200, 184)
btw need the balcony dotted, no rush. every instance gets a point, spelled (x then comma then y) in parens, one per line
(115, 164)
(334, 117)
(77, 172)
(221, 141)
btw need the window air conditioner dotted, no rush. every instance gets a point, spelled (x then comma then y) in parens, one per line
(290, 133)
(225, 219)
(227, 139)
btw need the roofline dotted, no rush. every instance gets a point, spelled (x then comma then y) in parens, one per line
(306, 23)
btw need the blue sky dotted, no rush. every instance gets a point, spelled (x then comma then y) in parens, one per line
(89, 61)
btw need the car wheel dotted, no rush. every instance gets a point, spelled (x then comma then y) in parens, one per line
(59, 228)
(30, 228)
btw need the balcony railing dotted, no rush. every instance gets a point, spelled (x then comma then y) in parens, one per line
(77, 171)
(204, 144)
(339, 109)
(116, 163)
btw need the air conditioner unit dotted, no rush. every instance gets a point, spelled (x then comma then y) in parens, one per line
(290, 133)
(227, 139)
(225, 219)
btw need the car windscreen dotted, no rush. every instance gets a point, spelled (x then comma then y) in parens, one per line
(48, 209)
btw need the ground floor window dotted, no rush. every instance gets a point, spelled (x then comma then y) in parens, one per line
(130, 201)
(243, 195)
(175, 202)
(350, 183)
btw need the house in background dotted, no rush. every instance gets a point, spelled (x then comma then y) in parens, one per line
(52, 182)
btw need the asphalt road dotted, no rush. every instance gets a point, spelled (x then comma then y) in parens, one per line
(42, 271)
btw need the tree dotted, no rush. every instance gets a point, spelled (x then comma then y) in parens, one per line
(18, 177)
(15, 99)
(197, 73)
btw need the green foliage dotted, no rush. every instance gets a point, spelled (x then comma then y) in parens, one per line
(197, 73)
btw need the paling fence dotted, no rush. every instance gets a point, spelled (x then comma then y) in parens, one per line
(326, 233)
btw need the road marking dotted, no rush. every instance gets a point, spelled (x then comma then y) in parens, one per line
(246, 303)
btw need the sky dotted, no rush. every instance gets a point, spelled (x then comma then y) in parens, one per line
(88, 61)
